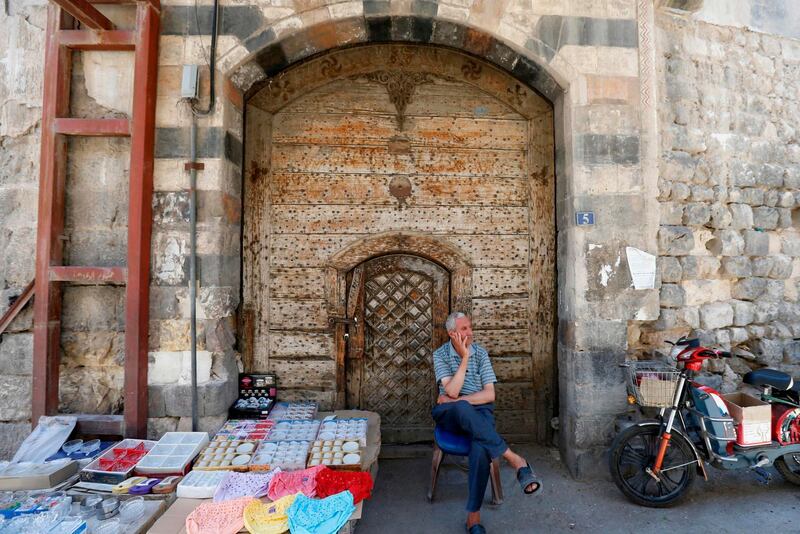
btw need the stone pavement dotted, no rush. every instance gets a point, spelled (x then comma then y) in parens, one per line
(729, 502)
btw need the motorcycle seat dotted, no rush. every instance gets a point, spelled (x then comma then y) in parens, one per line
(772, 378)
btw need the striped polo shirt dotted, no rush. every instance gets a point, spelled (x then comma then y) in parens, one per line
(479, 369)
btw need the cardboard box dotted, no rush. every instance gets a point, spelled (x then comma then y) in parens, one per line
(753, 419)
(47, 479)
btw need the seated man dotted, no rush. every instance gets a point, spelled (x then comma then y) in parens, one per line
(466, 406)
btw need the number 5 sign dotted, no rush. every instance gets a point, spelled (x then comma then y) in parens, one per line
(584, 218)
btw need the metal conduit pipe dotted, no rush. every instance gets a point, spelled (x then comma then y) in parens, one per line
(193, 265)
(193, 211)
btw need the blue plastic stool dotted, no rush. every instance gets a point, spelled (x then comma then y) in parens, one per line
(445, 442)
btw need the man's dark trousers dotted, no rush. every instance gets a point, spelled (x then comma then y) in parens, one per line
(476, 422)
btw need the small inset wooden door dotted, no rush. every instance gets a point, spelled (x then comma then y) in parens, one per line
(400, 303)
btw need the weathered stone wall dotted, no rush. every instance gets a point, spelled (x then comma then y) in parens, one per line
(729, 191)
(92, 341)
(21, 45)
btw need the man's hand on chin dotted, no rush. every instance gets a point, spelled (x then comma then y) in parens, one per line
(444, 398)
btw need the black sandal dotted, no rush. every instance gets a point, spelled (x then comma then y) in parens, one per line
(476, 529)
(526, 477)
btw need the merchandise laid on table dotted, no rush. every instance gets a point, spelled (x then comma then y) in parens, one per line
(287, 468)
(298, 470)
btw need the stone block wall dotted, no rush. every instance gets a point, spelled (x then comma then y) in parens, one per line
(729, 191)
(92, 340)
(21, 45)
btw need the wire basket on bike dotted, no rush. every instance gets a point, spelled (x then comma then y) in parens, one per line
(652, 383)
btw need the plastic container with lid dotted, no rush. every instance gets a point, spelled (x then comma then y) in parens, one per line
(200, 484)
(131, 510)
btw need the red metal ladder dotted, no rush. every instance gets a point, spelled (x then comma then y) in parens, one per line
(97, 33)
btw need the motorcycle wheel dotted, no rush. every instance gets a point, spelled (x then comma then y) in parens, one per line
(634, 450)
(788, 466)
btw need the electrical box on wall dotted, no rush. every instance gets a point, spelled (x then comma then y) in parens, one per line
(190, 82)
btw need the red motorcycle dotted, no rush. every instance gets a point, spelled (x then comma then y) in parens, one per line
(655, 462)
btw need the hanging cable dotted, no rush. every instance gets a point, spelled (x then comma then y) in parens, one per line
(211, 62)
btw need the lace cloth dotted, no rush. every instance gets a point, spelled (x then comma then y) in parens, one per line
(320, 516)
(268, 518)
(331, 482)
(236, 485)
(291, 482)
(217, 517)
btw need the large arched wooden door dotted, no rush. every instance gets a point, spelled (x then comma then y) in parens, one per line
(400, 303)
(399, 149)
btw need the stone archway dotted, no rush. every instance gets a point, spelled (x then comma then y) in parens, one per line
(606, 165)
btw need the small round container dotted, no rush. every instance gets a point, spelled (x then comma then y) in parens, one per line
(338, 455)
(111, 526)
(90, 446)
(107, 508)
(89, 505)
(131, 510)
(72, 446)
(350, 446)
(108, 504)
(337, 461)
(242, 459)
(351, 459)
(245, 448)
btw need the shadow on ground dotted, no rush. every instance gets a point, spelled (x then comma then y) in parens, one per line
(728, 503)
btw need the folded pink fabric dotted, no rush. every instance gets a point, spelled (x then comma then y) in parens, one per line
(218, 517)
(289, 482)
(236, 485)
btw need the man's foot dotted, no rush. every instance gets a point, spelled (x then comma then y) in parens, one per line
(515, 460)
(528, 480)
(474, 523)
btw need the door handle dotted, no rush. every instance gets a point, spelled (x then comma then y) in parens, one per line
(343, 320)
(333, 321)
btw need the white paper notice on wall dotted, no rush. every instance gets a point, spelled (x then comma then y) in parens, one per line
(643, 268)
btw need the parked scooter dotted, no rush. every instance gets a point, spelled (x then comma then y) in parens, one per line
(655, 462)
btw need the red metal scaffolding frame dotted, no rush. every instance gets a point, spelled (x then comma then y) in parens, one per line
(96, 32)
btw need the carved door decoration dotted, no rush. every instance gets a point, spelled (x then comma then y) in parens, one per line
(401, 304)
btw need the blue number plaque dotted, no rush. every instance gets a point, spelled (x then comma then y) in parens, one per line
(584, 218)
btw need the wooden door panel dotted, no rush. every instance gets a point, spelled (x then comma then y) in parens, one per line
(404, 306)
